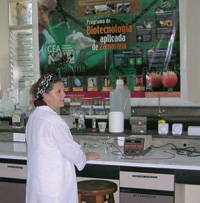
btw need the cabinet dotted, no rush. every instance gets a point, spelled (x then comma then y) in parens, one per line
(12, 181)
(152, 186)
(192, 193)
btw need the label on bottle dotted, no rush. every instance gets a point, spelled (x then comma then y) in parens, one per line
(16, 118)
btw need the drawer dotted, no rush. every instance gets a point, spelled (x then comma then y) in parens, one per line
(17, 171)
(145, 198)
(151, 181)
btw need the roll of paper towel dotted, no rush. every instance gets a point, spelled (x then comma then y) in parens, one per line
(116, 122)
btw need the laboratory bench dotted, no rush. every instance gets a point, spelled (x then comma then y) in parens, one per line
(159, 175)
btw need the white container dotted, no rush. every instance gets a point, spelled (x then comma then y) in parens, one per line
(120, 99)
(6, 104)
(116, 122)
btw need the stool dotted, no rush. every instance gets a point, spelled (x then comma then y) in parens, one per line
(96, 191)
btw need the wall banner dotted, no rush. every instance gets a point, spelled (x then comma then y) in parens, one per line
(90, 44)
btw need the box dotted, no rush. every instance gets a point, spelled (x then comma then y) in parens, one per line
(194, 130)
(138, 124)
(19, 137)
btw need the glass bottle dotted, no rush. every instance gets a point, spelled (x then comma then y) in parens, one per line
(24, 96)
(94, 123)
(29, 110)
(18, 118)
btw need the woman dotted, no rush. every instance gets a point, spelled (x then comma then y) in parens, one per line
(52, 153)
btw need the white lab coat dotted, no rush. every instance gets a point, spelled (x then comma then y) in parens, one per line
(52, 154)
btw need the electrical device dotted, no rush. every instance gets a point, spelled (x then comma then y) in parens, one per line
(136, 145)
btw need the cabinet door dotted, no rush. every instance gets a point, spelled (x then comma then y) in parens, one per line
(12, 192)
(148, 181)
(15, 171)
(145, 198)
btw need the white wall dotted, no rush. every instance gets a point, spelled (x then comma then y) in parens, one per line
(193, 49)
(4, 51)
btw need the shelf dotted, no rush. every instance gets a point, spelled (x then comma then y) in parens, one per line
(96, 116)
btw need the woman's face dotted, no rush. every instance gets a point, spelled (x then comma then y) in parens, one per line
(55, 98)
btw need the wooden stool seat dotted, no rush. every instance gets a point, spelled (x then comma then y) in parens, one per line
(96, 191)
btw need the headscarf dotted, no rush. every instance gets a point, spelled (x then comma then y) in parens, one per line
(44, 84)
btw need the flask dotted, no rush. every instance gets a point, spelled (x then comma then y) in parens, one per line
(81, 122)
(120, 100)
(29, 110)
(18, 118)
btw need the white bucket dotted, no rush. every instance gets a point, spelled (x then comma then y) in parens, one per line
(116, 122)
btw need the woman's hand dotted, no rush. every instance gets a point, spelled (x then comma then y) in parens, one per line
(92, 155)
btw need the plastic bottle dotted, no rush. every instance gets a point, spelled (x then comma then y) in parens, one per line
(24, 96)
(18, 118)
(120, 99)
(14, 95)
(29, 110)
(6, 104)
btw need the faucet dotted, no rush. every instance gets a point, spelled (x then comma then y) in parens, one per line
(81, 122)
(159, 109)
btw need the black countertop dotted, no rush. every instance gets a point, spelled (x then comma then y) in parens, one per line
(89, 132)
